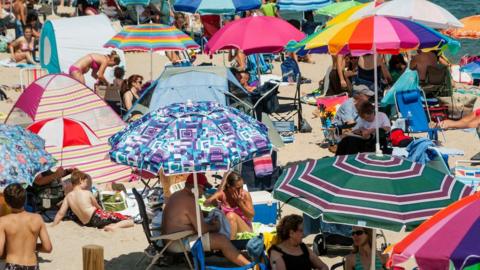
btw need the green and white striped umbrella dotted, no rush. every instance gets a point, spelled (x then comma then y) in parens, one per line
(367, 190)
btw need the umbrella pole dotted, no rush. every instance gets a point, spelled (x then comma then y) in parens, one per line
(151, 65)
(375, 75)
(257, 59)
(197, 207)
(374, 247)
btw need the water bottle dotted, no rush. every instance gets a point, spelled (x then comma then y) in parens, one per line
(408, 122)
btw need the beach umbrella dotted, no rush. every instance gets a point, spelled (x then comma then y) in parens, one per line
(302, 5)
(23, 156)
(368, 190)
(64, 132)
(336, 8)
(448, 240)
(137, 3)
(215, 6)
(377, 35)
(255, 34)
(422, 11)
(470, 29)
(190, 137)
(150, 38)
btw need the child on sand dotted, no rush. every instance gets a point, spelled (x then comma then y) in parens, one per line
(19, 232)
(86, 208)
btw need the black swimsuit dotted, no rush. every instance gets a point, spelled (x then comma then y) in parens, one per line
(300, 262)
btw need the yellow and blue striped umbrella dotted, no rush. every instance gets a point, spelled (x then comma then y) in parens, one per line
(151, 37)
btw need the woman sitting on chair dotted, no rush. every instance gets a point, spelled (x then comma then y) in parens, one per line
(98, 63)
(291, 252)
(361, 257)
(236, 203)
(131, 93)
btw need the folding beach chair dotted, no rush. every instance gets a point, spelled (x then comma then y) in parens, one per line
(438, 81)
(468, 172)
(411, 104)
(29, 75)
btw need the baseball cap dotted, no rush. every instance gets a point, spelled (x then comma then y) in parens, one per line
(201, 179)
(362, 89)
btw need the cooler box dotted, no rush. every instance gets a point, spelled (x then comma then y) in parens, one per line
(265, 207)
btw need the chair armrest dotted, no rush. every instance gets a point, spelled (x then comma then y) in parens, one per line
(173, 236)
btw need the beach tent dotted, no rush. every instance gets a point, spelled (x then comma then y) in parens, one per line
(64, 41)
(58, 95)
(195, 83)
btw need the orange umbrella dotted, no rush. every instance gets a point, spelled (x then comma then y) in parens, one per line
(471, 28)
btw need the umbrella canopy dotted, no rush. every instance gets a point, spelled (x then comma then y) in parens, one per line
(151, 37)
(470, 29)
(64, 132)
(376, 34)
(449, 238)
(336, 8)
(302, 5)
(192, 137)
(422, 11)
(256, 34)
(368, 190)
(126, 3)
(215, 6)
(23, 156)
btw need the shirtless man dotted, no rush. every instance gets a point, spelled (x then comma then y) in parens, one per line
(19, 232)
(179, 215)
(421, 61)
(86, 208)
(20, 12)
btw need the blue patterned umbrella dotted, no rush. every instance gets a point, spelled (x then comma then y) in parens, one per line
(22, 156)
(215, 6)
(192, 137)
(302, 5)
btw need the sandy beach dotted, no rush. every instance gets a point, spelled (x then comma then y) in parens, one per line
(125, 247)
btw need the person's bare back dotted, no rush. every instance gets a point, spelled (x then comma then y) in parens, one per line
(20, 11)
(82, 203)
(19, 232)
(181, 208)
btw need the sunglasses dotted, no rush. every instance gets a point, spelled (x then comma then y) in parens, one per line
(357, 233)
(139, 81)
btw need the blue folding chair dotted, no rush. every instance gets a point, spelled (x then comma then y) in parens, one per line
(199, 260)
(411, 105)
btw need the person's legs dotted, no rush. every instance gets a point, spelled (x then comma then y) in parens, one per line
(220, 242)
(78, 75)
(122, 224)
(237, 224)
(469, 121)
(29, 58)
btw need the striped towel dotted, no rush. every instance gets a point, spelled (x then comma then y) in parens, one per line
(263, 165)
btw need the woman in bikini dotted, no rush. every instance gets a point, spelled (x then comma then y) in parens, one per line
(236, 204)
(361, 257)
(22, 48)
(130, 93)
(95, 62)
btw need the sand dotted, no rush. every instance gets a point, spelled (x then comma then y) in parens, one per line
(125, 247)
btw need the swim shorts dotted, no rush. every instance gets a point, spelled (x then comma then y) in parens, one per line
(11, 266)
(101, 218)
(176, 247)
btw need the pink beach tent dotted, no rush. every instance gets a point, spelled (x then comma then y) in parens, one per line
(58, 95)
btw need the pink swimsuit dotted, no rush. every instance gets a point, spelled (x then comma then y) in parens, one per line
(237, 210)
(94, 66)
(477, 112)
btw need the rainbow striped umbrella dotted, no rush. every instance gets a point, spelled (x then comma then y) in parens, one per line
(151, 37)
(448, 240)
(368, 190)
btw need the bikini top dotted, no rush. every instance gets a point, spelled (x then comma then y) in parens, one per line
(95, 66)
(359, 266)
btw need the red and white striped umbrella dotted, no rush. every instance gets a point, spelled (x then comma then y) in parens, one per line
(64, 132)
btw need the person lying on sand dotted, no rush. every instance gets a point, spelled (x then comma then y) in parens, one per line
(86, 208)
(19, 232)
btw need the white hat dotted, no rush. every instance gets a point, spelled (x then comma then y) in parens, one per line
(362, 89)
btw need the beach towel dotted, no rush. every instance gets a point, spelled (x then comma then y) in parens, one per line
(418, 151)
(263, 165)
(9, 63)
(408, 81)
(222, 220)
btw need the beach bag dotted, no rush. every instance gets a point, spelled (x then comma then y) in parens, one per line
(3, 44)
(256, 247)
(290, 70)
(263, 166)
(113, 201)
(398, 138)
